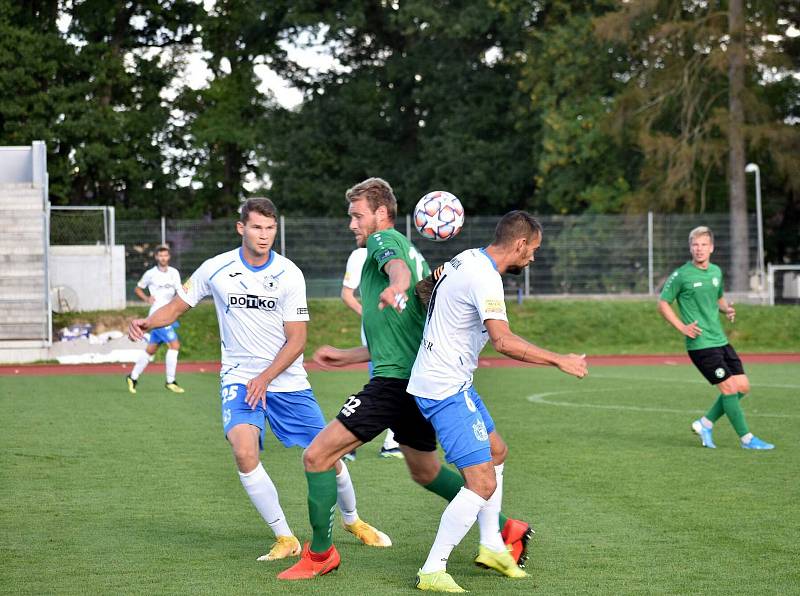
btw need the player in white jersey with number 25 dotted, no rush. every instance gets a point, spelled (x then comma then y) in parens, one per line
(260, 299)
(465, 309)
(162, 283)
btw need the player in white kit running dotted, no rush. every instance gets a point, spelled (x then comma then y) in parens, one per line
(162, 283)
(465, 310)
(260, 299)
(352, 279)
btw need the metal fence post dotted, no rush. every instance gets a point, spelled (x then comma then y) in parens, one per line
(163, 231)
(408, 226)
(112, 227)
(527, 281)
(283, 236)
(650, 288)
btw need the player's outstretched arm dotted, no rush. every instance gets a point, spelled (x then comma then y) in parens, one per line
(394, 295)
(296, 334)
(691, 330)
(513, 346)
(330, 356)
(166, 315)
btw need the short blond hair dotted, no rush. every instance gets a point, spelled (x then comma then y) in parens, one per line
(701, 231)
(377, 193)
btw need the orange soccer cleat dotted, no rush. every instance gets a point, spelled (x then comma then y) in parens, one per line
(516, 534)
(307, 567)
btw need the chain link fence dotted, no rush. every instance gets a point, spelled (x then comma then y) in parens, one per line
(580, 254)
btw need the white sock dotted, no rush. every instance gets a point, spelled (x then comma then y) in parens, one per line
(389, 442)
(171, 362)
(346, 496)
(264, 495)
(141, 364)
(706, 422)
(489, 517)
(457, 519)
(746, 438)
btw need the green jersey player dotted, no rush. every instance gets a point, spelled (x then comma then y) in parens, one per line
(697, 286)
(393, 318)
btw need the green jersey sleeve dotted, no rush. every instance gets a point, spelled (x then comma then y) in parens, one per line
(672, 287)
(382, 248)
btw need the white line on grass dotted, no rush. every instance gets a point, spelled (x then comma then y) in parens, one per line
(692, 381)
(539, 398)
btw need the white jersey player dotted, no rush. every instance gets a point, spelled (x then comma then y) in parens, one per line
(465, 310)
(162, 283)
(350, 283)
(260, 299)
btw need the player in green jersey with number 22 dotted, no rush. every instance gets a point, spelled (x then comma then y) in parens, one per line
(393, 318)
(697, 286)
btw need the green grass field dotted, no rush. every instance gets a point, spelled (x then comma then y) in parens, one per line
(103, 492)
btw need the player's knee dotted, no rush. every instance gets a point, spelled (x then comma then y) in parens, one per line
(423, 472)
(316, 461)
(246, 459)
(499, 452)
(484, 486)
(744, 385)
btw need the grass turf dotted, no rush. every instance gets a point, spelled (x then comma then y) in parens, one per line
(103, 492)
(591, 326)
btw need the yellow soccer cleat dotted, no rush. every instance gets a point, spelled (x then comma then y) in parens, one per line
(367, 534)
(174, 387)
(502, 562)
(131, 384)
(437, 581)
(284, 547)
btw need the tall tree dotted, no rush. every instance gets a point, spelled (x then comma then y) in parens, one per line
(691, 94)
(425, 95)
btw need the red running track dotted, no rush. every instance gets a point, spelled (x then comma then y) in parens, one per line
(213, 367)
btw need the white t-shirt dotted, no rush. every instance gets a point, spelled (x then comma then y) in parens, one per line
(252, 304)
(469, 292)
(162, 285)
(355, 263)
(352, 276)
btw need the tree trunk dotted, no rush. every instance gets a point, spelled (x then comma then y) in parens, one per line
(736, 160)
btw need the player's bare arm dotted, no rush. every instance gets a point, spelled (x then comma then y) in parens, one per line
(296, 333)
(330, 356)
(144, 297)
(394, 295)
(513, 346)
(166, 315)
(349, 298)
(726, 308)
(691, 330)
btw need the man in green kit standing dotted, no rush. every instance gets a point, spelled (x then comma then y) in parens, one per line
(393, 318)
(697, 286)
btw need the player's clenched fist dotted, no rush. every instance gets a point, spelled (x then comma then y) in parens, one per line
(575, 365)
(136, 329)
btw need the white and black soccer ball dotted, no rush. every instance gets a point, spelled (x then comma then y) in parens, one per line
(439, 216)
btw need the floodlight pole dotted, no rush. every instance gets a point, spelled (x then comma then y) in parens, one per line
(750, 169)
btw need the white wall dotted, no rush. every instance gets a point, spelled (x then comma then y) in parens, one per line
(96, 275)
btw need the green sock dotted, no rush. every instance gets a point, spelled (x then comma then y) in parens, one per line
(716, 411)
(321, 507)
(447, 484)
(734, 413)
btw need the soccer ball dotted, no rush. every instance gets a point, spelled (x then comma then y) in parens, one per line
(439, 215)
